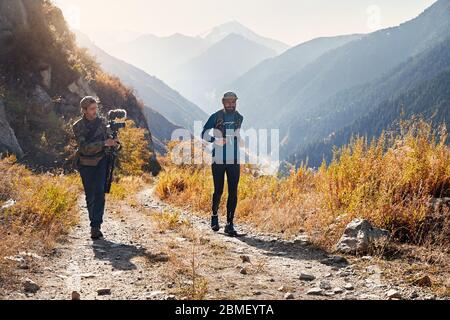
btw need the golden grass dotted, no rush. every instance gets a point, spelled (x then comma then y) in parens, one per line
(44, 209)
(166, 221)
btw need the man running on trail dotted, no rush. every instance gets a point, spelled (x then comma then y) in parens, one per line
(226, 124)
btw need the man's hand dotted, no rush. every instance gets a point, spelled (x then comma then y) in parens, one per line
(220, 142)
(112, 143)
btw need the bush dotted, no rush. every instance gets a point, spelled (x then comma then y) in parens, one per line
(43, 203)
(389, 181)
(134, 155)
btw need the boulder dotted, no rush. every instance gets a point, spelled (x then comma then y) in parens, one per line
(8, 140)
(13, 16)
(359, 236)
(46, 75)
(30, 286)
(41, 98)
(81, 88)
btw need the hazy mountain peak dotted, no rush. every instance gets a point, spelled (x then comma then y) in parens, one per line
(220, 32)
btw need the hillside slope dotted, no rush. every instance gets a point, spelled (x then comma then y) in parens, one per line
(43, 77)
(202, 78)
(155, 94)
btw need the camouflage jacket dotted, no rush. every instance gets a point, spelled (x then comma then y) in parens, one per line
(93, 146)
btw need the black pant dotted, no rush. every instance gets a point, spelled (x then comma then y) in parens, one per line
(94, 188)
(233, 172)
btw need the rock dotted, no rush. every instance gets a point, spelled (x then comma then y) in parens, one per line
(393, 294)
(41, 98)
(245, 259)
(289, 296)
(243, 271)
(46, 75)
(81, 88)
(75, 295)
(171, 297)
(349, 287)
(359, 236)
(325, 285)
(8, 139)
(315, 292)
(338, 290)
(257, 293)
(13, 17)
(30, 286)
(335, 261)
(282, 289)
(423, 282)
(87, 275)
(302, 239)
(307, 277)
(104, 292)
(437, 204)
(155, 295)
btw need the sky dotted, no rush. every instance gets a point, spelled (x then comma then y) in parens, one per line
(290, 21)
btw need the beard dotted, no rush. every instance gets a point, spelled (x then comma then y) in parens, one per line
(230, 109)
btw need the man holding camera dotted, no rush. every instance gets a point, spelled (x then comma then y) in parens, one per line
(93, 137)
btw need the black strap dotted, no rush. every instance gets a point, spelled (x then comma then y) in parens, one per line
(221, 119)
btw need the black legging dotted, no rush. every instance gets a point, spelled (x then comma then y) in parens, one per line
(233, 172)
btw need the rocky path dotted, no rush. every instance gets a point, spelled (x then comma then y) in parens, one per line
(154, 251)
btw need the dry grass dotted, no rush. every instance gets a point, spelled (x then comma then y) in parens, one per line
(43, 211)
(167, 221)
(184, 269)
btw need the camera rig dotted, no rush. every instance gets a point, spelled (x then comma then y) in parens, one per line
(112, 152)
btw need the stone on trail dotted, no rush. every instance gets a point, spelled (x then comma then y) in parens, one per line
(104, 292)
(335, 261)
(245, 259)
(423, 282)
(349, 287)
(393, 294)
(315, 292)
(359, 236)
(30, 286)
(307, 277)
(75, 295)
(289, 296)
(338, 290)
(325, 285)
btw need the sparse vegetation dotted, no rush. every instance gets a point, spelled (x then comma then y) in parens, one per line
(37, 209)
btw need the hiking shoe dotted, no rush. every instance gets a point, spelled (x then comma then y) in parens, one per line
(96, 234)
(229, 230)
(215, 223)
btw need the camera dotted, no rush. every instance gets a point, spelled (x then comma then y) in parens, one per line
(113, 125)
(112, 153)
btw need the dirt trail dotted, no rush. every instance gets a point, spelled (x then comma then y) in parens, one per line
(138, 260)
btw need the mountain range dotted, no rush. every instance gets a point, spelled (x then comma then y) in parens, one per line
(343, 83)
(198, 67)
(155, 94)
